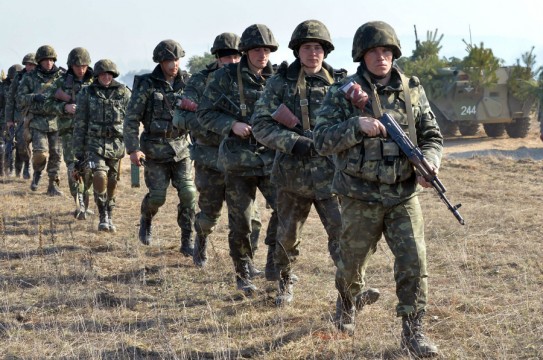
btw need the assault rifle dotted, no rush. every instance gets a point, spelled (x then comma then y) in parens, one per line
(415, 156)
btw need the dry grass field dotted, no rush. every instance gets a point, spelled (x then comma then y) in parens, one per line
(70, 292)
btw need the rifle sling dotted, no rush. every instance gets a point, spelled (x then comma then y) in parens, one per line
(242, 105)
(301, 89)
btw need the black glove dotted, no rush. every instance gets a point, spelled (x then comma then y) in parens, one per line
(302, 146)
(38, 98)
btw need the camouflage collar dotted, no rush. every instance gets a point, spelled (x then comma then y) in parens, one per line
(294, 70)
(158, 75)
(266, 72)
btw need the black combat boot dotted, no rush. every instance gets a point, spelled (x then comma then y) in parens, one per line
(26, 170)
(271, 272)
(199, 255)
(35, 180)
(285, 292)
(103, 224)
(345, 313)
(413, 339)
(253, 271)
(367, 297)
(243, 280)
(18, 168)
(109, 211)
(187, 245)
(80, 211)
(54, 187)
(146, 230)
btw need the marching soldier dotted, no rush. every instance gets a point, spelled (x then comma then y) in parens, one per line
(41, 125)
(14, 118)
(225, 109)
(63, 104)
(98, 136)
(163, 148)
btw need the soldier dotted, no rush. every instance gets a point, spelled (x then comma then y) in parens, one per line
(164, 148)
(14, 118)
(225, 109)
(98, 136)
(208, 178)
(283, 120)
(42, 125)
(7, 142)
(63, 104)
(378, 185)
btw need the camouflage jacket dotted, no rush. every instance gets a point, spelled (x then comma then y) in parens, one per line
(71, 86)
(4, 90)
(33, 83)
(220, 108)
(366, 169)
(98, 122)
(152, 103)
(205, 147)
(12, 110)
(310, 176)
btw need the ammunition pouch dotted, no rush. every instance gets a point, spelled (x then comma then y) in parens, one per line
(376, 160)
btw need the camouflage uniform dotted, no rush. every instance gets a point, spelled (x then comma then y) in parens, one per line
(64, 91)
(247, 163)
(14, 113)
(377, 184)
(31, 94)
(165, 148)
(98, 137)
(208, 178)
(303, 177)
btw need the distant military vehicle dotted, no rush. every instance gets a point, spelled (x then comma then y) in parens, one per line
(460, 105)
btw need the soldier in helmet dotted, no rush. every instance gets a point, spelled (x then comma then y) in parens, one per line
(98, 136)
(63, 104)
(208, 178)
(14, 118)
(164, 148)
(225, 109)
(377, 184)
(7, 142)
(284, 119)
(42, 124)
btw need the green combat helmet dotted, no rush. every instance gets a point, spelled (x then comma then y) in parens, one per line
(105, 65)
(311, 31)
(168, 50)
(45, 52)
(78, 56)
(14, 69)
(256, 36)
(225, 41)
(374, 34)
(29, 58)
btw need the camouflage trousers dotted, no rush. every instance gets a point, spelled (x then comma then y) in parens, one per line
(240, 197)
(403, 228)
(158, 176)
(43, 144)
(211, 188)
(84, 186)
(292, 212)
(105, 173)
(21, 151)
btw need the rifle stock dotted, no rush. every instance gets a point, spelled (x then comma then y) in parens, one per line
(415, 156)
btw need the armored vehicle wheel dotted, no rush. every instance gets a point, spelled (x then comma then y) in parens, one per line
(518, 128)
(468, 129)
(494, 130)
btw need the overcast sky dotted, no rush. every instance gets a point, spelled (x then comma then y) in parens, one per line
(127, 31)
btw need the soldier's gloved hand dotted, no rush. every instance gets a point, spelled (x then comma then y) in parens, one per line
(38, 98)
(302, 146)
(188, 105)
(357, 96)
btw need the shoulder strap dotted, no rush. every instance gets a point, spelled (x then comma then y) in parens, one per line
(242, 105)
(301, 88)
(409, 109)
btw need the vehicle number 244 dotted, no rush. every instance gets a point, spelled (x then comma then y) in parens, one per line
(467, 110)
